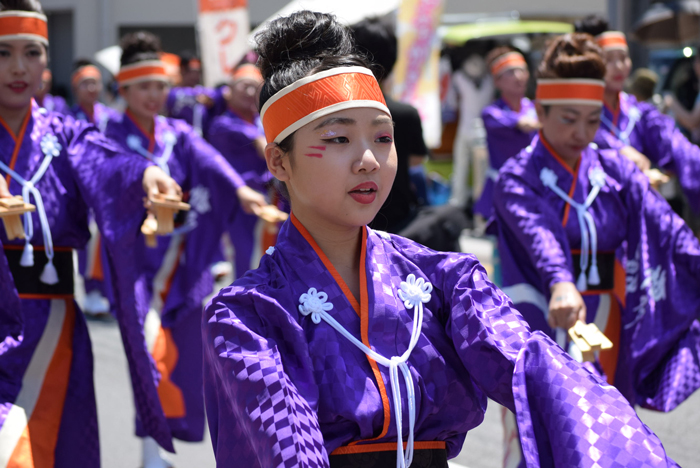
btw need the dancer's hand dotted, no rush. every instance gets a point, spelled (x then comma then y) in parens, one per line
(527, 124)
(641, 161)
(156, 182)
(4, 191)
(566, 306)
(251, 201)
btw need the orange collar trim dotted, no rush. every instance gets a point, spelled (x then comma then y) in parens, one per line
(25, 25)
(570, 91)
(612, 40)
(318, 95)
(84, 73)
(146, 70)
(556, 156)
(507, 62)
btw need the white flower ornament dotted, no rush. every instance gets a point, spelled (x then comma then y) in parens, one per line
(50, 145)
(314, 302)
(133, 142)
(414, 291)
(548, 177)
(597, 177)
(270, 250)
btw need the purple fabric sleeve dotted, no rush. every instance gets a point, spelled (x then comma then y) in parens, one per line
(11, 322)
(535, 226)
(210, 160)
(110, 181)
(496, 119)
(276, 424)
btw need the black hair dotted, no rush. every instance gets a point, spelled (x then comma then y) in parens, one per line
(21, 5)
(592, 24)
(186, 56)
(299, 45)
(139, 46)
(375, 39)
(82, 62)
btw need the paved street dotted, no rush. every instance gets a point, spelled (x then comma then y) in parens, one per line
(120, 449)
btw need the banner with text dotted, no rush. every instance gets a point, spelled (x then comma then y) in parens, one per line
(223, 28)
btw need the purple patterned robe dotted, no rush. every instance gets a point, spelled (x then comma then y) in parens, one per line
(182, 104)
(174, 278)
(658, 294)
(642, 126)
(55, 104)
(504, 140)
(283, 391)
(101, 115)
(87, 172)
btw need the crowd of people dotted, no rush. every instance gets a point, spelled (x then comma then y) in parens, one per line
(340, 342)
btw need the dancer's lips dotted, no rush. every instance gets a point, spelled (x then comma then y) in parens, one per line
(364, 193)
(18, 86)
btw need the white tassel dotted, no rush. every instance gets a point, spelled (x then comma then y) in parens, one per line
(593, 275)
(27, 259)
(581, 284)
(49, 275)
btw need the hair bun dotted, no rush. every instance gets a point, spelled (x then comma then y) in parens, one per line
(301, 37)
(139, 45)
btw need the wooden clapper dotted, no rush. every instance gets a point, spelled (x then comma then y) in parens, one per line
(589, 339)
(10, 211)
(161, 221)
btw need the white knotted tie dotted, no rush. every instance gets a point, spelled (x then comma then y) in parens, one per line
(634, 116)
(169, 139)
(51, 148)
(597, 177)
(414, 293)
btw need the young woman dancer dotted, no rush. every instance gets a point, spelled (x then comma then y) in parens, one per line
(638, 129)
(174, 275)
(63, 167)
(510, 121)
(582, 236)
(346, 340)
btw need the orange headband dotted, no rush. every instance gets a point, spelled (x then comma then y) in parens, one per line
(84, 73)
(142, 71)
(612, 40)
(23, 25)
(507, 62)
(317, 95)
(247, 71)
(570, 91)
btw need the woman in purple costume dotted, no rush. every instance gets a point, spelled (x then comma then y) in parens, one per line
(65, 168)
(346, 340)
(174, 275)
(510, 121)
(582, 236)
(638, 129)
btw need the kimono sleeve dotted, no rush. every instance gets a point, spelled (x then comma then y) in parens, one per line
(496, 119)
(530, 225)
(666, 146)
(11, 322)
(566, 415)
(661, 360)
(110, 182)
(258, 387)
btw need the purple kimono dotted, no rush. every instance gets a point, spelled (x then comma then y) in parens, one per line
(92, 261)
(182, 104)
(65, 168)
(635, 261)
(55, 104)
(504, 140)
(174, 277)
(642, 126)
(284, 388)
(234, 137)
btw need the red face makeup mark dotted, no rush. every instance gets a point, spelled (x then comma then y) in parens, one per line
(316, 155)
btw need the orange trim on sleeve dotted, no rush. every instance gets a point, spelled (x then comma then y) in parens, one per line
(165, 355)
(18, 141)
(361, 310)
(43, 426)
(97, 272)
(608, 357)
(387, 447)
